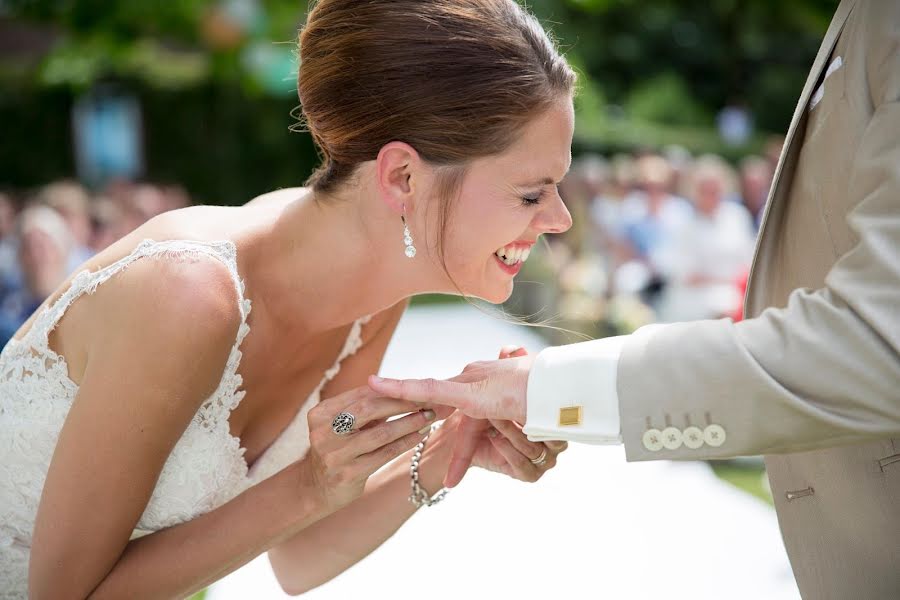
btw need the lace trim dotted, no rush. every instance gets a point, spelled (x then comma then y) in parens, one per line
(205, 469)
(293, 442)
(36, 387)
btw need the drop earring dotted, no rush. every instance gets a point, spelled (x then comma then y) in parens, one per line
(407, 238)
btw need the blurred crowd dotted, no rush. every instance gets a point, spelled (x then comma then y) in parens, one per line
(46, 234)
(659, 236)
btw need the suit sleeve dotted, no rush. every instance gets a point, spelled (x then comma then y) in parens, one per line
(822, 371)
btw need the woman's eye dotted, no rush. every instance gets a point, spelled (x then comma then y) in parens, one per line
(536, 198)
(531, 200)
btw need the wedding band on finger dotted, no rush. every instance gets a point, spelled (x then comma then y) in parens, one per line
(541, 460)
(343, 423)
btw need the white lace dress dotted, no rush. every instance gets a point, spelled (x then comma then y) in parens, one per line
(206, 467)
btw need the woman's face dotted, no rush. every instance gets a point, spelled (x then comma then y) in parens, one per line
(506, 201)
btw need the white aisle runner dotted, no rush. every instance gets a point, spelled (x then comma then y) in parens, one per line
(594, 527)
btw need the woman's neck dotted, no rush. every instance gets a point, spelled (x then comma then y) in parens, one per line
(322, 265)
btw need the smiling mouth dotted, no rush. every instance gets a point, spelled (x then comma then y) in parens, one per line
(513, 255)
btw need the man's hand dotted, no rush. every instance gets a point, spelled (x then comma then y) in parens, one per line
(484, 390)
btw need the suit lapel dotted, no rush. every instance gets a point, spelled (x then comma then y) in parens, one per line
(792, 145)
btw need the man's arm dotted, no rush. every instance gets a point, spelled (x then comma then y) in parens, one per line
(822, 371)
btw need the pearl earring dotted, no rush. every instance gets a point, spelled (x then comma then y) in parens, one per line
(407, 238)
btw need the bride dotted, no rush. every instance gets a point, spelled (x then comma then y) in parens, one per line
(156, 433)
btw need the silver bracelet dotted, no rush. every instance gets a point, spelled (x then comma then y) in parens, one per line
(419, 497)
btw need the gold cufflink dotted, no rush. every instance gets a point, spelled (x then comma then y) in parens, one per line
(570, 415)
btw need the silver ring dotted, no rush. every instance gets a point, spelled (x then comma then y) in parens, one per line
(541, 460)
(343, 423)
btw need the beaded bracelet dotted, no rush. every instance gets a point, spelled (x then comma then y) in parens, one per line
(419, 497)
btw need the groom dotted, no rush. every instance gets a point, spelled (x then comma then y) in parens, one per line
(812, 380)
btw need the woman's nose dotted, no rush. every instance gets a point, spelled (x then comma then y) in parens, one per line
(556, 218)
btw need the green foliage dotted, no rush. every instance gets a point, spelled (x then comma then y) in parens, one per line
(80, 63)
(666, 99)
(217, 88)
(749, 478)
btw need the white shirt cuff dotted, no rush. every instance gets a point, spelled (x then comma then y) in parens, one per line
(582, 375)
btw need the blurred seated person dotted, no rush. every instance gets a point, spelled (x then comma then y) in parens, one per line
(106, 223)
(756, 178)
(72, 202)
(44, 255)
(9, 265)
(706, 259)
(652, 217)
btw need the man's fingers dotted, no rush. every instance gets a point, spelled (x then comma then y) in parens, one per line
(468, 433)
(557, 446)
(443, 412)
(450, 393)
(521, 466)
(518, 440)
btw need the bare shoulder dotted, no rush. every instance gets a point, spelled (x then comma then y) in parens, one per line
(160, 312)
(160, 333)
(277, 198)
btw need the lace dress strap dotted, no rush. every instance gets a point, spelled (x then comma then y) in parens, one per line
(351, 346)
(88, 281)
(293, 442)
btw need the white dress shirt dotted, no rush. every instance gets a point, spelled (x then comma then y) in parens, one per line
(584, 375)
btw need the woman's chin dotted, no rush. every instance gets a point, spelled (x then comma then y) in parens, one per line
(498, 293)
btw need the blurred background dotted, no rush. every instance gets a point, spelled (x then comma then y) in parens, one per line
(112, 112)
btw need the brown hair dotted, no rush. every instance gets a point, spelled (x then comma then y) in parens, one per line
(455, 79)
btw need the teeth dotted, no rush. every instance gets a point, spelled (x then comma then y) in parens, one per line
(511, 255)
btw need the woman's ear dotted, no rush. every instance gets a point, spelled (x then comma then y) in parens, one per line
(397, 170)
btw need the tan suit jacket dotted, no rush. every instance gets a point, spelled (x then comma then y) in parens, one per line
(812, 378)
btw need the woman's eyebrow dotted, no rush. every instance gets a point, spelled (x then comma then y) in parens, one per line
(544, 181)
(547, 180)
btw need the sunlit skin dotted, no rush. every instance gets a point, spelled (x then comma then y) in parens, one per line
(491, 211)
(312, 264)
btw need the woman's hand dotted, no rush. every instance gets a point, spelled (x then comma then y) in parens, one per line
(337, 466)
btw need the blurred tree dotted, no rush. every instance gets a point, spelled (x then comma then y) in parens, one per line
(216, 76)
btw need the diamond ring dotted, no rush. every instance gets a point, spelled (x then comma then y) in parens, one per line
(343, 423)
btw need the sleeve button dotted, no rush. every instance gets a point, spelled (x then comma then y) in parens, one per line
(692, 437)
(653, 440)
(671, 438)
(714, 435)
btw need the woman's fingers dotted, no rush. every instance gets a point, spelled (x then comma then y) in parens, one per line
(371, 462)
(512, 351)
(373, 438)
(340, 402)
(520, 442)
(375, 408)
